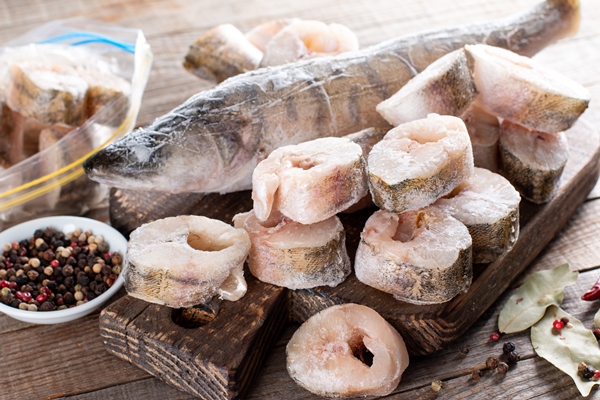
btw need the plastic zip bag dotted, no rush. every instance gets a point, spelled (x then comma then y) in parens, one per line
(52, 180)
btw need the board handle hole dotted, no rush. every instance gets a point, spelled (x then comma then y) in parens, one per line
(197, 316)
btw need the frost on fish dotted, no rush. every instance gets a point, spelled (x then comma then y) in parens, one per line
(489, 207)
(186, 260)
(445, 87)
(213, 141)
(296, 256)
(484, 132)
(304, 39)
(326, 355)
(419, 162)
(533, 161)
(421, 257)
(311, 181)
(547, 101)
(220, 53)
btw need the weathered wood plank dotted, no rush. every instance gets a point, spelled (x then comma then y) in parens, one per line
(215, 359)
(71, 354)
(149, 388)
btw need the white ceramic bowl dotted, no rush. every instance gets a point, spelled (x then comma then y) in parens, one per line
(115, 240)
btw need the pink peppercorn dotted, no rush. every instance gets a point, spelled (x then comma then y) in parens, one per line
(495, 336)
(23, 296)
(558, 325)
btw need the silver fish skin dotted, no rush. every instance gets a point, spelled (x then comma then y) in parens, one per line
(213, 141)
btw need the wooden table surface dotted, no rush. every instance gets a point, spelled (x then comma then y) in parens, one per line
(69, 360)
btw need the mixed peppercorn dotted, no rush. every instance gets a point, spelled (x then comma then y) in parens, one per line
(53, 270)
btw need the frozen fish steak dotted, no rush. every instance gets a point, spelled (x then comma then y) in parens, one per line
(220, 53)
(326, 355)
(489, 206)
(445, 87)
(50, 95)
(421, 257)
(305, 39)
(311, 181)
(296, 256)
(547, 101)
(419, 162)
(532, 161)
(186, 260)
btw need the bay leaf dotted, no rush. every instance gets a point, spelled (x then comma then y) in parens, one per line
(528, 304)
(597, 319)
(568, 347)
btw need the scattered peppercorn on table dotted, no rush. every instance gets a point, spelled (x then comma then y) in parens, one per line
(69, 359)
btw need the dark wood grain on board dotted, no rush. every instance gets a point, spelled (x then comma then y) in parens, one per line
(213, 356)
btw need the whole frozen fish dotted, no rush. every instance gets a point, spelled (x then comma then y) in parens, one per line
(213, 141)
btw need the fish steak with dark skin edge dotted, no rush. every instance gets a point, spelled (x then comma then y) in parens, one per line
(213, 141)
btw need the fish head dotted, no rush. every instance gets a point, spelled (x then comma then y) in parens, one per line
(178, 156)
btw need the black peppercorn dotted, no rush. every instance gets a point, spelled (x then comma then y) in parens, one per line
(91, 295)
(67, 270)
(513, 357)
(52, 285)
(22, 279)
(83, 279)
(588, 372)
(508, 348)
(69, 282)
(106, 270)
(46, 306)
(68, 298)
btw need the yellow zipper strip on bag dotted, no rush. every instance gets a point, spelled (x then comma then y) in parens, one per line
(57, 183)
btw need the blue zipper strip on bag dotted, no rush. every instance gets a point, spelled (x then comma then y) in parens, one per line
(86, 37)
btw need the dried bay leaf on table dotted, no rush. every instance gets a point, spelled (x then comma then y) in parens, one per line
(567, 348)
(528, 304)
(597, 319)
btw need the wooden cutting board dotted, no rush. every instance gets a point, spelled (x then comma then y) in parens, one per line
(214, 352)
